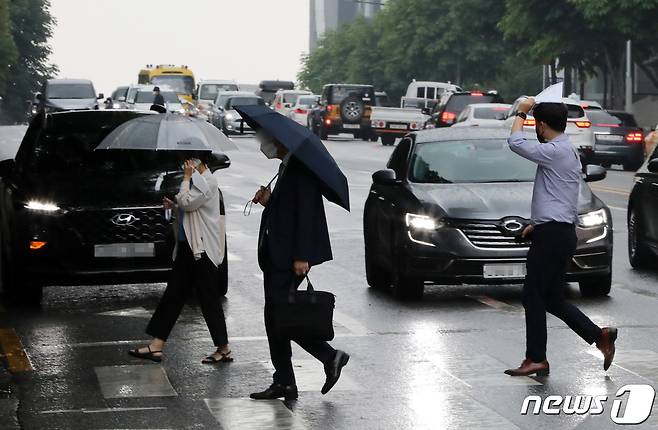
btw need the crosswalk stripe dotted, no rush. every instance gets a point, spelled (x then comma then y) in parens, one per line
(14, 352)
(496, 304)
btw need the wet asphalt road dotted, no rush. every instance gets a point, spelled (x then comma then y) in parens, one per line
(435, 364)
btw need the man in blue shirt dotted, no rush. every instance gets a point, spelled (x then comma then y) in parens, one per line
(554, 213)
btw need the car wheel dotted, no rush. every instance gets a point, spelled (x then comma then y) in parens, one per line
(323, 133)
(638, 254)
(223, 272)
(374, 138)
(388, 140)
(596, 287)
(405, 287)
(376, 277)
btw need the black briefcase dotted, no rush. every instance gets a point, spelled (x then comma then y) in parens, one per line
(304, 314)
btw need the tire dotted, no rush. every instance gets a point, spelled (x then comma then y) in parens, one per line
(374, 138)
(405, 287)
(376, 277)
(638, 254)
(388, 140)
(352, 110)
(596, 287)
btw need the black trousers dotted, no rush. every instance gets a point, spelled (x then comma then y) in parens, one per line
(277, 284)
(188, 273)
(552, 248)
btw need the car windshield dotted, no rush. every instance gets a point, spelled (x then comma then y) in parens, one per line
(601, 118)
(210, 91)
(70, 91)
(72, 152)
(469, 161)
(307, 101)
(178, 83)
(290, 98)
(148, 96)
(458, 102)
(338, 94)
(243, 101)
(490, 112)
(626, 118)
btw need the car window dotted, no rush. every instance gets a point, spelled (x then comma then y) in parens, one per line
(458, 102)
(626, 118)
(490, 112)
(575, 111)
(307, 101)
(290, 98)
(463, 116)
(469, 161)
(420, 92)
(340, 93)
(148, 97)
(70, 91)
(210, 91)
(430, 92)
(243, 101)
(398, 160)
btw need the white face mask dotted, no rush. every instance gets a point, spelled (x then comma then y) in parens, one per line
(269, 149)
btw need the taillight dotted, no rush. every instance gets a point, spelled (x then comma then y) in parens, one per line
(279, 105)
(330, 108)
(529, 122)
(36, 245)
(607, 125)
(413, 126)
(634, 137)
(477, 94)
(300, 111)
(583, 124)
(448, 116)
(327, 121)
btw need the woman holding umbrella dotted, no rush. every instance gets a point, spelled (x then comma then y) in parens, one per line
(198, 252)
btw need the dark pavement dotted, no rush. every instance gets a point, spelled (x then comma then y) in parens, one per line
(435, 364)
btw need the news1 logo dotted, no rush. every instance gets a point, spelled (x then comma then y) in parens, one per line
(636, 399)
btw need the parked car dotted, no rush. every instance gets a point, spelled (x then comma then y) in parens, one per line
(267, 89)
(617, 139)
(482, 115)
(223, 114)
(579, 127)
(72, 215)
(450, 207)
(207, 91)
(643, 216)
(285, 99)
(144, 100)
(451, 104)
(68, 94)
(303, 105)
(344, 108)
(389, 123)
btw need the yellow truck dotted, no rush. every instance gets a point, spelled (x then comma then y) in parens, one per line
(176, 78)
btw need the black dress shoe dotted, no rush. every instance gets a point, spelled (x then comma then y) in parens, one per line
(333, 369)
(276, 391)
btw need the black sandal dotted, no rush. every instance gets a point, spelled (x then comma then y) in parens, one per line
(146, 355)
(225, 358)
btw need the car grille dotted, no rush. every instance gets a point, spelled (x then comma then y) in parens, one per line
(96, 226)
(488, 234)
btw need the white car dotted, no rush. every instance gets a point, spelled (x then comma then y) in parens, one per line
(425, 94)
(144, 100)
(300, 110)
(285, 99)
(208, 90)
(482, 115)
(579, 127)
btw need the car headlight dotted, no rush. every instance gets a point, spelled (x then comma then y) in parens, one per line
(229, 117)
(593, 219)
(422, 222)
(35, 205)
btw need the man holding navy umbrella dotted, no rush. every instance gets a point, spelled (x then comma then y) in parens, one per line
(293, 237)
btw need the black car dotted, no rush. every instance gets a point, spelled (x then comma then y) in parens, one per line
(72, 215)
(618, 139)
(450, 207)
(67, 94)
(643, 216)
(344, 108)
(446, 111)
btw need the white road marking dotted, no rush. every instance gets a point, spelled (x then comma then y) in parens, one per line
(102, 410)
(138, 312)
(130, 381)
(354, 326)
(496, 304)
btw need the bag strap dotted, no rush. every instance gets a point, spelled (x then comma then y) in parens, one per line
(294, 286)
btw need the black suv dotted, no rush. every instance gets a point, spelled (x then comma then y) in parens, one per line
(72, 215)
(446, 111)
(344, 108)
(643, 216)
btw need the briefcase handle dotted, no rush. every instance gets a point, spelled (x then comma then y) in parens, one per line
(309, 289)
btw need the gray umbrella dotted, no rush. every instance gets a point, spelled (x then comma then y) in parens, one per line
(168, 132)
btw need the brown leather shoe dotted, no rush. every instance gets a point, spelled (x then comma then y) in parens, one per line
(528, 367)
(607, 345)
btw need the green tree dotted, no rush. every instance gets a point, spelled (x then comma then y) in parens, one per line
(7, 47)
(31, 28)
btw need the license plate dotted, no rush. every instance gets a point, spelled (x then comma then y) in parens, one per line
(351, 126)
(398, 126)
(609, 137)
(504, 271)
(124, 250)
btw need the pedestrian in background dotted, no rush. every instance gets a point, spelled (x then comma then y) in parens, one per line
(158, 98)
(198, 252)
(293, 237)
(554, 213)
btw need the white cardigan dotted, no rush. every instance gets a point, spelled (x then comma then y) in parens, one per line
(204, 226)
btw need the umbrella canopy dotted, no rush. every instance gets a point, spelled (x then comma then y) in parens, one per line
(306, 146)
(168, 132)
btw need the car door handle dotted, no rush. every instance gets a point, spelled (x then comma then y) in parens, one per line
(381, 198)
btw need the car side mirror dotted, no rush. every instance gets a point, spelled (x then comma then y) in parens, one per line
(7, 167)
(595, 173)
(653, 165)
(100, 96)
(218, 161)
(384, 177)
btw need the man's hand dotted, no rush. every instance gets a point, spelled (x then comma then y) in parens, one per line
(301, 268)
(168, 204)
(526, 105)
(527, 231)
(262, 196)
(188, 170)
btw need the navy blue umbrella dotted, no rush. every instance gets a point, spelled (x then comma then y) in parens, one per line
(306, 146)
